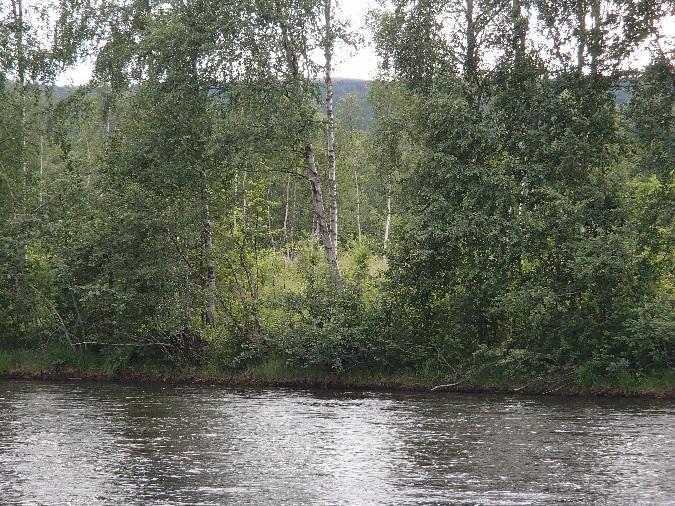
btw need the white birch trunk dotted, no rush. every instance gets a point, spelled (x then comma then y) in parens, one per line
(358, 204)
(269, 219)
(519, 29)
(581, 47)
(596, 39)
(236, 199)
(244, 200)
(319, 209)
(286, 217)
(42, 165)
(387, 223)
(330, 141)
(310, 161)
(471, 56)
(17, 18)
(17, 13)
(207, 233)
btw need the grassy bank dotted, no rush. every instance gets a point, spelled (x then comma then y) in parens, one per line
(65, 364)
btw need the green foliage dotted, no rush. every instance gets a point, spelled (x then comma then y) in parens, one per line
(325, 326)
(518, 228)
(529, 219)
(229, 349)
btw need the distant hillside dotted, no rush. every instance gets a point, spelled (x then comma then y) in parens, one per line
(61, 92)
(344, 87)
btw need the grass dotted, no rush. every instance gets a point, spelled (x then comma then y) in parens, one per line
(627, 383)
(59, 362)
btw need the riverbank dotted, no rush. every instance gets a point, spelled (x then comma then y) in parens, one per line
(45, 366)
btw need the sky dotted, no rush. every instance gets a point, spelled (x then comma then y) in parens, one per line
(355, 64)
(361, 64)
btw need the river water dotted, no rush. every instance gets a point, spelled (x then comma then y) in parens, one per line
(88, 443)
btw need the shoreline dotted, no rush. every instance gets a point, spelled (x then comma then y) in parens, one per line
(329, 382)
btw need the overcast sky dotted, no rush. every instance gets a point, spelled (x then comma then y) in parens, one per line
(359, 64)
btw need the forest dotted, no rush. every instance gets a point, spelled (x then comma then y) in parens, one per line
(495, 208)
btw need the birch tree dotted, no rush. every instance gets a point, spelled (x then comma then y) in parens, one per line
(328, 44)
(295, 24)
(388, 141)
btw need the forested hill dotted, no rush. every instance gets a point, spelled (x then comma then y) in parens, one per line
(342, 87)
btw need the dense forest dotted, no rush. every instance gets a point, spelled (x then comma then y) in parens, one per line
(499, 203)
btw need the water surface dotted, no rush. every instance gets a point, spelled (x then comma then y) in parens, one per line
(88, 443)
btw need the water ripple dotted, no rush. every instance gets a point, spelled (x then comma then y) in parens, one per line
(85, 443)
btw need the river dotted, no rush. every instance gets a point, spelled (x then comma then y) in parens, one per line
(98, 443)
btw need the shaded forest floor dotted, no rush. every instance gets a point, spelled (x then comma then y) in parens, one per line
(272, 372)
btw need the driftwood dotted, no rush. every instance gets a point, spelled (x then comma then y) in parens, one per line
(444, 387)
(545, 386)
(548, 386)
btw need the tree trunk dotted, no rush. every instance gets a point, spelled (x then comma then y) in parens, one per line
(387, 223)
(17, 18)
(236, 200)
(312, 173)
(319, 210)
(294, 214)
(358, 204)
(519, 30)
(244, 199)
(471, 56)
(17, 12)
(595, 42)
(207, 234)
(581, 35)
(269, 219)
(286, 217)
(42, 165)
(330, 141)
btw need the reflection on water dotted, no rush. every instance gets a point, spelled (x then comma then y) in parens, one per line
(87, 443)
